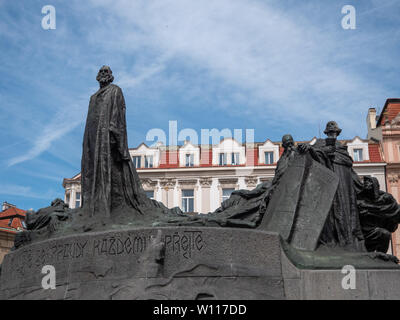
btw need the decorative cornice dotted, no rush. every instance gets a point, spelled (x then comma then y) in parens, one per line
(251, 181)
(206, 182)
(168, 183)
(393, 178)
(187, 182)
(148, 182)
(228, 180)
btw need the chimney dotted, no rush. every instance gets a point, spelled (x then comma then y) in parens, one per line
(371, 118)
(6, 206)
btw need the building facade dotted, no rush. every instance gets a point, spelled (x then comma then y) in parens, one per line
(385, 128)
(197, 178)
(12, 220)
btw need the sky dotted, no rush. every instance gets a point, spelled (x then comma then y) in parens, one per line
(272, 66)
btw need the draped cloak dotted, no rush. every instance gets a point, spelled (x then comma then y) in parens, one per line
(379, 217)
(109, 179)
(342, 227)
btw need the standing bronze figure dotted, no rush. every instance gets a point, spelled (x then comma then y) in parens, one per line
(110, 183)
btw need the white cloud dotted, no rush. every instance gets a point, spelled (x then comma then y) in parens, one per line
(65, 120)
(286, 67)
(24, 191)
(273, 65)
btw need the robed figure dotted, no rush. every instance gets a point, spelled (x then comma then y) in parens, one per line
(110, 183)
(342, 227)
(379, 215)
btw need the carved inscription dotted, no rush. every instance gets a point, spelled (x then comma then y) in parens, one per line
(37, 258)
(185, 243)
(117, 246)
(68, 250)
(26, 260)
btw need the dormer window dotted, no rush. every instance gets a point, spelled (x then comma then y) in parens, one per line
(148, 161)
(269, 157)
(358, 149)
(235, 158)
(136, 161)
(358, 155)
(189, 160)
(268, 153)
(222, 159)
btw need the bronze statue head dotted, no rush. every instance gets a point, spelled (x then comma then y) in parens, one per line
(332, 129)
(287, 141)
(104, 76)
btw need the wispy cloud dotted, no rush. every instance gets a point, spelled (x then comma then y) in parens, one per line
(25, 191)
(64, 121)
(283, 64)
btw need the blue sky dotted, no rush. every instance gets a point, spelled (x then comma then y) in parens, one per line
(272, 66)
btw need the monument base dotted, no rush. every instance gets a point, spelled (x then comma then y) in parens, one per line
(182, 263)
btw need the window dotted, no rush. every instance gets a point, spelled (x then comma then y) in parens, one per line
(148, 161)
(136, 161)
(226, 193)
(150, 194)
(269, 157)
(235, 158)
(188, 200)
(77, 200)
(358, 155)
(222, 159)
(189, 160)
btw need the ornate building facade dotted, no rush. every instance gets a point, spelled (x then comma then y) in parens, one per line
(197, 178)
(385, 128)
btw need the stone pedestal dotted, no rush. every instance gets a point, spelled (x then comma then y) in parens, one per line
(179, 263)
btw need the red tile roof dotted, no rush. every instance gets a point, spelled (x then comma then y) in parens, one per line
(11, 220)
(389, 111)
(12, 212)
(169, 159)
(374, 153)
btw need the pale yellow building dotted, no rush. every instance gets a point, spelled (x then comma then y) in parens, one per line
(197, 178)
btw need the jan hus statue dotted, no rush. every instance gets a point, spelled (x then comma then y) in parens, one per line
(111, 187)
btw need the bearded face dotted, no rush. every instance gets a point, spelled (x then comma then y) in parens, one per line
(104, 76)
(287, 142)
